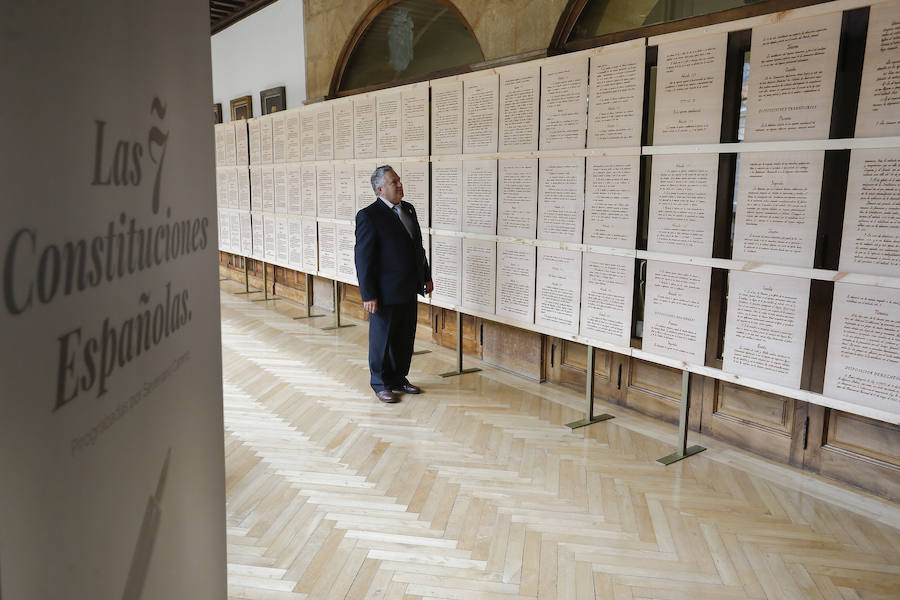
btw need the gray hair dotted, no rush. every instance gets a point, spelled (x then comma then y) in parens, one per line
(378, 176)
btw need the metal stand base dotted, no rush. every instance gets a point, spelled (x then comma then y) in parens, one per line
(584, 422)
(676, 456)
(266, 297)
(459, 351)
(459, 372)
(418, 352)
(590, 419)
(246, 282)
(683, 450)
(337, 311)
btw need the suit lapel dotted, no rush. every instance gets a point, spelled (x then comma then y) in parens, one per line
(391, 217)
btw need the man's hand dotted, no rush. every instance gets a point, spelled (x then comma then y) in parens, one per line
(429, 287)
(371, 306)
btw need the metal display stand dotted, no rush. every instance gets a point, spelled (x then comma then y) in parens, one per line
(683, 450)
(266, 297)
(337, 310)
(589, 395)
(459, 351)
(246, 281)
(309, 304)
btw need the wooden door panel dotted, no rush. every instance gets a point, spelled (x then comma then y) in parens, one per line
(443, 323)
(351, 302)
(517, 350)
(860, 451)
(653, 389)
(758, 421)
(567, 365)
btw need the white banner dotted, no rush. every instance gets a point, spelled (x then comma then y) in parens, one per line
(111, 412)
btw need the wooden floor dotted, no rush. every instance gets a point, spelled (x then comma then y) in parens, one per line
(476, 489)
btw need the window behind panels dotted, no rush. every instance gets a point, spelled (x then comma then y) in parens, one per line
(408, 39)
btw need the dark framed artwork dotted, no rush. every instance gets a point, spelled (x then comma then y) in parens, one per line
(242, 108)
(217, 112)
(272, 100)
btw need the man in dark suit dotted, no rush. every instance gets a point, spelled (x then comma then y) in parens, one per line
(391, 269)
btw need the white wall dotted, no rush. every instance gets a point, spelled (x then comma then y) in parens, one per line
(262, 51)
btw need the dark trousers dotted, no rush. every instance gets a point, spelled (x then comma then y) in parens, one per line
(392, 331)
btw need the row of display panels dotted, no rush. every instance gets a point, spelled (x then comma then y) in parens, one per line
(594, 99)
(594, 201)
(567, 198)
(589, 295)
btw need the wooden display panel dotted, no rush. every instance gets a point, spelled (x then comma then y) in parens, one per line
(279, 137)
(364, 137)
(564, 103)
(871, 239)
(479, 275)
(446, 195)
(558, 289)
(517, 197)
(292, 136)
(516, 273)
(481, 107)
(520, 89)
(778, 207)
(690, 79)
(616, 96)
(417, 190)
(446, 117)
(792, 69)
(342, 113)
(765, 329)
(561, 199)
(479, 207)
(324, 133)
(344, 191)
(611, 201)
(446, 253)
(878, 111)
(675, 311)
(414, 124)
(863, 356)
(683, 204)
(308, 134)
(607, 287)
(387, 124)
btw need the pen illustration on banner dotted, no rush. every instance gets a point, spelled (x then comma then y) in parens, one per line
(143, 550)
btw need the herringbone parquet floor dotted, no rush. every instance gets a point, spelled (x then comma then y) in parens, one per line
(476, 489)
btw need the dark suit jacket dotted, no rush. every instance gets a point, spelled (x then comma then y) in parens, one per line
(390, 265)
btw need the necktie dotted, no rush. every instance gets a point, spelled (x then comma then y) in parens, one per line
(404, 218)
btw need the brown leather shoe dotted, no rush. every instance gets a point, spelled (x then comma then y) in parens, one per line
(387, 396)
(407, 388)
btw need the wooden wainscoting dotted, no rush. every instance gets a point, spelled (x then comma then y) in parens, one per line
(761, 422)
(655, 390)
(514, 349)
(351, 302)
(443, 328)
(567, 365)
(855, 449)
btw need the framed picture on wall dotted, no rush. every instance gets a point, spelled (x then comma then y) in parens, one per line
(272, 100)
(242, 108)
(217, 112)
